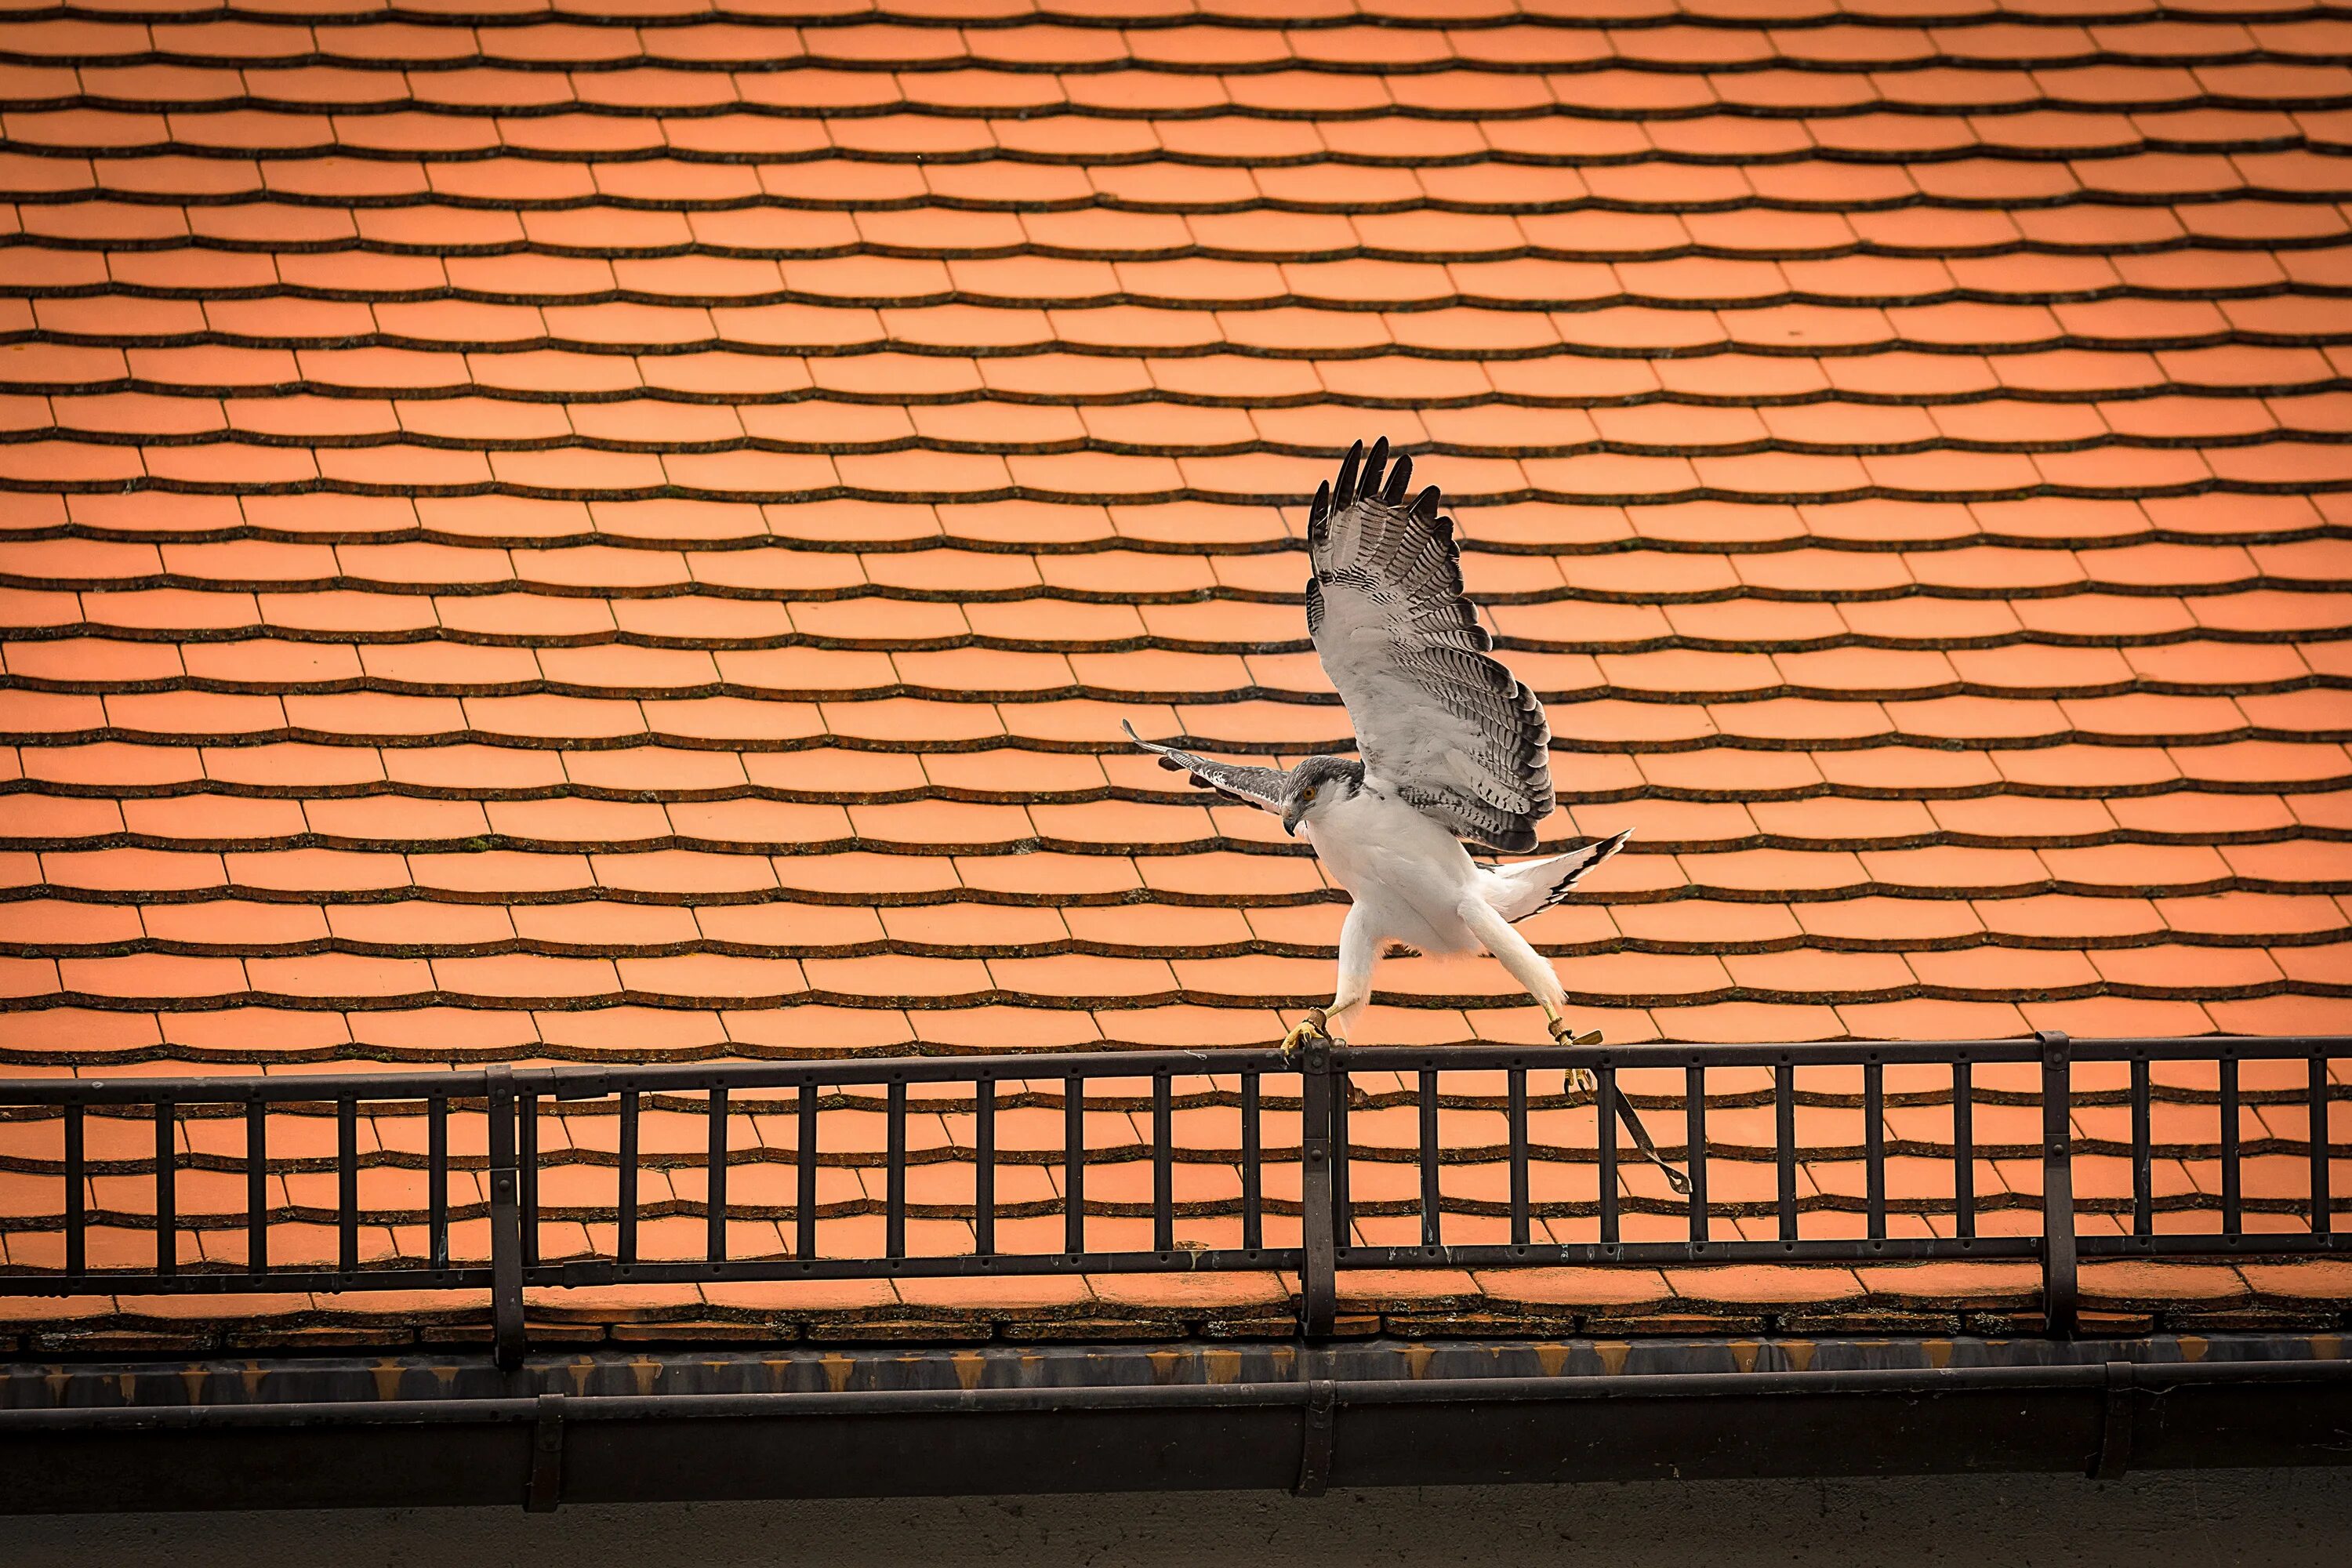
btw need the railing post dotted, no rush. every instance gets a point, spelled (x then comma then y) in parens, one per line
(2058, 1284)
(1318, 1237)
(505, 1222)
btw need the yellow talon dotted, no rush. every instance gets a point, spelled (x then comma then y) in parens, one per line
(1317, 1022)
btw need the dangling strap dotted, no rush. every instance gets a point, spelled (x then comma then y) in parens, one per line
(1642, 1141)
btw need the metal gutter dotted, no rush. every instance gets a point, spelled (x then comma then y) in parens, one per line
(2272, 1400)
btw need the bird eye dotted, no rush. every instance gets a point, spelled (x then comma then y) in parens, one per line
(1308, 794)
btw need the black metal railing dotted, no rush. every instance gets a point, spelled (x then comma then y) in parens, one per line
(474, 1136)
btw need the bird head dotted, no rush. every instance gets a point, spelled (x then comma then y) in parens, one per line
(1317, 784)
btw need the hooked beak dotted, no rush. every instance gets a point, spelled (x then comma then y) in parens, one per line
(1291, 813)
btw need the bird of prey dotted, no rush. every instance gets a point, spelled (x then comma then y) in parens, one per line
(1452, 747)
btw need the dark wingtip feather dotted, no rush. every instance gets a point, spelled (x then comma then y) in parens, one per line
(1398, 478)
(1374, 461)
(1425, 506)
(1344, 491)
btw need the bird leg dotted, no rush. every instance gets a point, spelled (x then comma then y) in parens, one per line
(1529, 969)
(1358, 954)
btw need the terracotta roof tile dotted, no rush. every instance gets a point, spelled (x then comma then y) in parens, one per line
(534, 539)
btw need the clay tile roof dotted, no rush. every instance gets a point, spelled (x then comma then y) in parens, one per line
(631, 537)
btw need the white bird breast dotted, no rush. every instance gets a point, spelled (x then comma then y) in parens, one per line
(1407, 874)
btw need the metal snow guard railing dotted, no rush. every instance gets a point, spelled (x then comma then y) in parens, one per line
(509, 1099)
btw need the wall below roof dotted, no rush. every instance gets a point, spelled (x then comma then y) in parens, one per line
(2278, 1519)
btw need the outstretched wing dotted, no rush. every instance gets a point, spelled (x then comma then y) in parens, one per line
(1436, 715)
(1261, 787)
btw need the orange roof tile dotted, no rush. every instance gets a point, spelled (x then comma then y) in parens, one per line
(572, 541)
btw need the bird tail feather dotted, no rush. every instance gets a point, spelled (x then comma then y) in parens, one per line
(1520, 889)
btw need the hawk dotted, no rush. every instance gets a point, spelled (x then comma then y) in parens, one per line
(1452, 747)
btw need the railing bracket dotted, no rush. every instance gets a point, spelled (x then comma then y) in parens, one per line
(2115, 1422)
(2059, 1295)
(505, 1222)
(1319, 1238)
(1317, 1428)
(545, 1488)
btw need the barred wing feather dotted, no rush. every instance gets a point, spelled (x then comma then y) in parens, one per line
(1260, 787)
(1436, 715)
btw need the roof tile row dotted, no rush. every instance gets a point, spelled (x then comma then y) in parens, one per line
(1380, 51)
(1501, 154)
